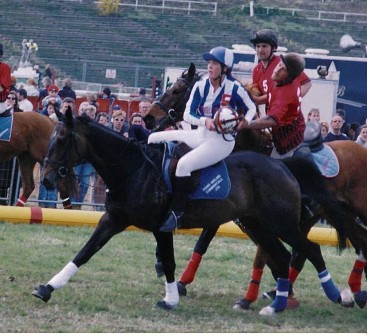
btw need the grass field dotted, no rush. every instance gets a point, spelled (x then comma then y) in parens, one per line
(117, 290)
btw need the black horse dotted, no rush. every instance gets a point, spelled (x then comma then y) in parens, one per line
(168, 109)
(138, 196)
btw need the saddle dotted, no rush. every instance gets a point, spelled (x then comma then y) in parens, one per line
(212, 182)
(322, 154)
(6, 125)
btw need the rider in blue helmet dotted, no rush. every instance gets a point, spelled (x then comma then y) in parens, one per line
(224, 57)
(208, 144)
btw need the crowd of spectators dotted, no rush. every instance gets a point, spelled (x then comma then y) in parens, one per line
(53, 100)
(128, 124)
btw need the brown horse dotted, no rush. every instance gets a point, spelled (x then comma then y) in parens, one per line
(350, 188)
(29, 140)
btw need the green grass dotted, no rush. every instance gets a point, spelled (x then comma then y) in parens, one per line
(117, 290)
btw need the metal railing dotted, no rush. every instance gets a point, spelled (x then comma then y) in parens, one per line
(184, 5)
(322, 15)
(11, 188)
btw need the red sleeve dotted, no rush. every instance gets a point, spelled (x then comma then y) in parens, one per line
(303, 78)
(5, 73)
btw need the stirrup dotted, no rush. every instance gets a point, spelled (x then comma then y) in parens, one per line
(171, 223)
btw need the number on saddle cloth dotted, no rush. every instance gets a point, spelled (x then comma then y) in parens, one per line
(6, 125)
(213, 181)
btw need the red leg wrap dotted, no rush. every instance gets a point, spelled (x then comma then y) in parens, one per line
(355, 276)
(253, 288)
(22, 200)
(189, 273)
(293, 274)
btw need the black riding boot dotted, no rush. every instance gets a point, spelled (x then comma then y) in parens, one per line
(183, 187)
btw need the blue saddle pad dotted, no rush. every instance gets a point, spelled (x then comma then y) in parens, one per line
(6, 124)
(214, 183)
(326, 161)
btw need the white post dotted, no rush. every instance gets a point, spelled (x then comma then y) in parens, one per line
(251, 8)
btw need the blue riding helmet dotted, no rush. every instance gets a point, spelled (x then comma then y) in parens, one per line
(221, 55)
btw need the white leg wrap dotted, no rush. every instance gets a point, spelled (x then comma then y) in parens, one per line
(61, 278)
(267, 311)
(172, 296)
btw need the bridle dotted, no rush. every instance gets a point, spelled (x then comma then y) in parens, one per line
(171, 112)
(60, 166)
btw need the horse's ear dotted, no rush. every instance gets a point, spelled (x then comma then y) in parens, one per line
(68, 119)
(191, 72)
(59, 115)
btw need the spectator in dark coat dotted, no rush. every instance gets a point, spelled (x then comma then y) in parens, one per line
(66, 90)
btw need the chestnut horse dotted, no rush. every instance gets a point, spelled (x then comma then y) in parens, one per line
(349, 186)
(30, 135)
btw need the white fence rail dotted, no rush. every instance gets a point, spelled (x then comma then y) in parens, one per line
(323, 15)
(183, 5)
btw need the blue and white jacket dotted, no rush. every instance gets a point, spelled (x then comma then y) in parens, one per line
(204, 102)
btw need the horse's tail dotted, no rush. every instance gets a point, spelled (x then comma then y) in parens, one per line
(313, 187)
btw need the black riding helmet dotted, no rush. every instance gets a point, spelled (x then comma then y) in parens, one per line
(268, 36)
(294, 63)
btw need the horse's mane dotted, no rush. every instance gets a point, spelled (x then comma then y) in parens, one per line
(118, 152)
(101, 132)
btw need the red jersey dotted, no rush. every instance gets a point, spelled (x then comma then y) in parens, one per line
(262, 76)
(285, 108)
(5, 80)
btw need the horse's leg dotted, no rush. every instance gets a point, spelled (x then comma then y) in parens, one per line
(158, 264)
(26, 166)
(355, 280)
(166, 252)
(312, 252)
(355, 230)
(261, 259)
(252, 291)
(270, 243)
(107, 227)
(200, 249)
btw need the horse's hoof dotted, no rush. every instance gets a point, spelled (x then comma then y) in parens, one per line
(292, 303)
(159, 269)
(269, 295)
(43, 292)
(347, 299)
(164, 305)
(182, 291)
(242, 304)
(361, 298)
(267, 311)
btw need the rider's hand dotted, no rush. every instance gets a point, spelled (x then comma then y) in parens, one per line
(209, 124)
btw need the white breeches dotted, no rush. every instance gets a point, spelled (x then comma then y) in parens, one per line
(208, 148)
(3, 107)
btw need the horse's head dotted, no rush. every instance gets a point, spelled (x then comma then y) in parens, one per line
(65, 149)
(168, 109)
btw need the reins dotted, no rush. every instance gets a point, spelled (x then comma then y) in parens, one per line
(171, 113)
(62, 170)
